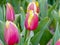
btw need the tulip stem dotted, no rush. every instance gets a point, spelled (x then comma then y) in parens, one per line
(30, 34)
(27, 37)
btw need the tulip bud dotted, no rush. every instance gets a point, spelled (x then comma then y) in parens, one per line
(31, 21)
(10, 15)
(11, 34)
(33, 6)
(58, 42)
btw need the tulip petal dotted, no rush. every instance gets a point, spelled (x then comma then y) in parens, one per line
(10, 15)
(11, 33)
(31, 22)
(58, 42)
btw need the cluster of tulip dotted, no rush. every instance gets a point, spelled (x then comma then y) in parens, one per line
(11, 34)
(31, 21)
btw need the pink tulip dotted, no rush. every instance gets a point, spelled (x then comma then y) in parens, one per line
(11, 34)
(58, 42)
(31, 21)
(10, 15)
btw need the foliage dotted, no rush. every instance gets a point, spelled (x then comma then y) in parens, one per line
(49, 21)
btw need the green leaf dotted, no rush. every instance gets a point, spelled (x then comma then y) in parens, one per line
(50, 12)
(22, 17)
(42, 23)
(46, 37)
(2, 2)
(40, 30)
(23, 34)
(56, 35)
(1, 14)
(55, 15)
(17, 20)
(4, 12)
(1, 43)
(2, 31)
(59, 12)
(29, 1)
(43, 7)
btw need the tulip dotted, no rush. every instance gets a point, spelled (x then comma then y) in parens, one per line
(58, 42)
(33, 6)
(11, 34)
(10, 15)
(31, 21)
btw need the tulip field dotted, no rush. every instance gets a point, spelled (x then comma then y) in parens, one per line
(29, 22)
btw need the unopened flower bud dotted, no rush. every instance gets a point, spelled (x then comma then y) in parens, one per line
(31, 21)
(11, 34)
(10, 15)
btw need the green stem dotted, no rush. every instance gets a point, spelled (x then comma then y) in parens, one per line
(28, 32)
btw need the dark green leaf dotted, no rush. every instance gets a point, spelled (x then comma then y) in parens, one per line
(42, 26)
(46, 37)
(56, 35)
(42, 23)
